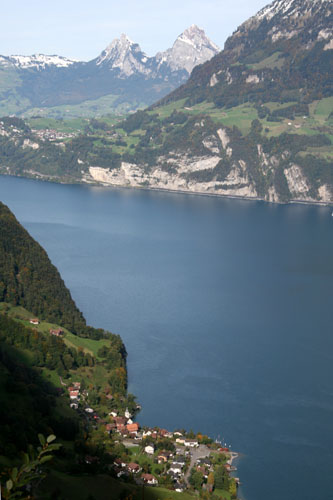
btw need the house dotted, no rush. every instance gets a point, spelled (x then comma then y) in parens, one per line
(177, 433)
(146, 433)
(149, 450)
(175, 468)
(180, 460)
(179, 487)
(119, 463)
(133, 468)
(203, 470)
(57, 333)
(75, 406)
(204, 461)
(133, 427)
(180, 440)
(192, 443)
(149, 479)
(163, 457)
(34, 321)
(77, 385)
(110, 427)
(74, 394)
(113, 413)
(127, 414)
(89, 410)
(120, 420)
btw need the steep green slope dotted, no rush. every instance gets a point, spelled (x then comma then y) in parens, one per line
(28, 278)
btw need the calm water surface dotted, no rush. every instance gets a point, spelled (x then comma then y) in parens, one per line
(225, 307)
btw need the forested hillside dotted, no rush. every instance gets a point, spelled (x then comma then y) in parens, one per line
(28, 278)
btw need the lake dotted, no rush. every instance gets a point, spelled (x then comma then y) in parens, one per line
(225, 307)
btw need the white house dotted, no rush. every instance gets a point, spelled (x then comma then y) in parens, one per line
(149, 450)
(192, 443)
(149, 479)
(175, 468)
(127, 414)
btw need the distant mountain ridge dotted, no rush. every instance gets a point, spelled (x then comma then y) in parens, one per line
(255, 121)
(122, 71)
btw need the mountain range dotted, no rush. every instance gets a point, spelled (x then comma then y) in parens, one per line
(122, 78)
(255, 121)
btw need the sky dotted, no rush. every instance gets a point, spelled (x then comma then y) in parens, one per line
(81, 29)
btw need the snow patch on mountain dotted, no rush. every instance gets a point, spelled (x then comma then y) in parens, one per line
(38, 61)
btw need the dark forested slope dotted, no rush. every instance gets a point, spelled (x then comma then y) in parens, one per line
(28, 278)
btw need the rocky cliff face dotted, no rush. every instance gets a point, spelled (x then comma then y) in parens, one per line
(191, 48)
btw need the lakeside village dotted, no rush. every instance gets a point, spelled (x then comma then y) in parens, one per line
(180, 460)
(155, 456)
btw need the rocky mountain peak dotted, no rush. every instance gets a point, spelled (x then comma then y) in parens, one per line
(308, 21)
(192, 47)
(125, 55)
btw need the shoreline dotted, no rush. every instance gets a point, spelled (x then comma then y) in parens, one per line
(82, 182)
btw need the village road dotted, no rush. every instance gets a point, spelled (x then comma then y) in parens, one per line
(201, 452)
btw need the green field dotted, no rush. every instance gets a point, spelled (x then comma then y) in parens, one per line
(87, 109)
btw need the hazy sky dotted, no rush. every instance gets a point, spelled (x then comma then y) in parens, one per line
(81, 29)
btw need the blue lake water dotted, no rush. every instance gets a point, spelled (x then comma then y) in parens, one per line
(225, 307)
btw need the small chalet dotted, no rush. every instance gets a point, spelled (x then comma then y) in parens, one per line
(133, 428)
(119, 463)
(77, 385)
(204, 461)
(149, 450)
(163, 457)
(180, 460)
(149, 479)
(127, 414)
(120, 420)
(133, 468)
(203, 470)
(34, 321)
(192, 443)
(175, 468)
(110, 427)
(74, 394)
(57, 333)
